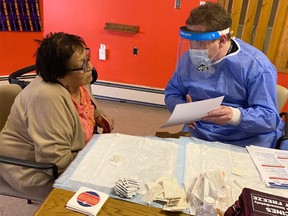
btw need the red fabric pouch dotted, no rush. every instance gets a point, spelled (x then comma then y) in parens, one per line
(256, 203)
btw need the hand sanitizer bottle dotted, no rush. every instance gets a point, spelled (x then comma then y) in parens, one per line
(207, 209)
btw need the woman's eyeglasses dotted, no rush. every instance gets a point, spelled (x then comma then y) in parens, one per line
(85, 66)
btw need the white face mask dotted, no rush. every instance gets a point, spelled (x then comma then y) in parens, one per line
(200, 59)
(202, 62)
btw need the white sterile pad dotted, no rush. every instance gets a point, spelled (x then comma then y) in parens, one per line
(152, 193)
(171, 189)
(126, 156)
(126, 188)
(168, 191)
(237, 171)
(116, 160)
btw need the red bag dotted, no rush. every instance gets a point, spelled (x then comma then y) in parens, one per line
(256, 203)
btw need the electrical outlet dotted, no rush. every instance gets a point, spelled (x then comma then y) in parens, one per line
(135, 51)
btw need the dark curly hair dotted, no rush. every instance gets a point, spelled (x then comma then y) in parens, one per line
(54, 53)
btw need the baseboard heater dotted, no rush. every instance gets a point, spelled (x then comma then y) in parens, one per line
(128, 93)
(118, 92)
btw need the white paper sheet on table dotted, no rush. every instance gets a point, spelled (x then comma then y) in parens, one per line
(189, 112)
(272, 165)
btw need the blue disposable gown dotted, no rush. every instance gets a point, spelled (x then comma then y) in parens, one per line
(247, 79)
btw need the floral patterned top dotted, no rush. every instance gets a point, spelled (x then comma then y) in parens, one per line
(86, 113)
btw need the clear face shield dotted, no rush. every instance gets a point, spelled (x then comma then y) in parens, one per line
(198, 49)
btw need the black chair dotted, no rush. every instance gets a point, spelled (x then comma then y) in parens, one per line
(16, 77)
(284, 116)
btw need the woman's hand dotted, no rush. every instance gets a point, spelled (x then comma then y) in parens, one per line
(106, 123)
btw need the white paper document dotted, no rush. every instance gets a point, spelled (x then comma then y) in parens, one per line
(189, 112)
(272, 165)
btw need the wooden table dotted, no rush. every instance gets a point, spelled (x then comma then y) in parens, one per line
(55, 203)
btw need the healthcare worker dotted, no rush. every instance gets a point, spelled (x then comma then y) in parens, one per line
(212, 64)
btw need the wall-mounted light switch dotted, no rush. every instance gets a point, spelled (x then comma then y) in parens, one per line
(177, 4)
(102, 52)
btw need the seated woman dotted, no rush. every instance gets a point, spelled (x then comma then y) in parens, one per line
(53, 118)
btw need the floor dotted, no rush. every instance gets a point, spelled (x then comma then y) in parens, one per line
(131, 119)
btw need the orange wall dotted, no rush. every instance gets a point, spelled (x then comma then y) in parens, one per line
(157, 40)
(17, 48)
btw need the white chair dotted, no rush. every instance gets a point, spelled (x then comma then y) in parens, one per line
(282, 94)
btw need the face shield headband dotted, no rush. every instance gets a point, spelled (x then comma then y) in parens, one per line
(196, 46)
(201, 36)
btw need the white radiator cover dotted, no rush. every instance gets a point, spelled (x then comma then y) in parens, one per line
(128, 93)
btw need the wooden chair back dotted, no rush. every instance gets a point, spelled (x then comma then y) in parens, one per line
(257, 15)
